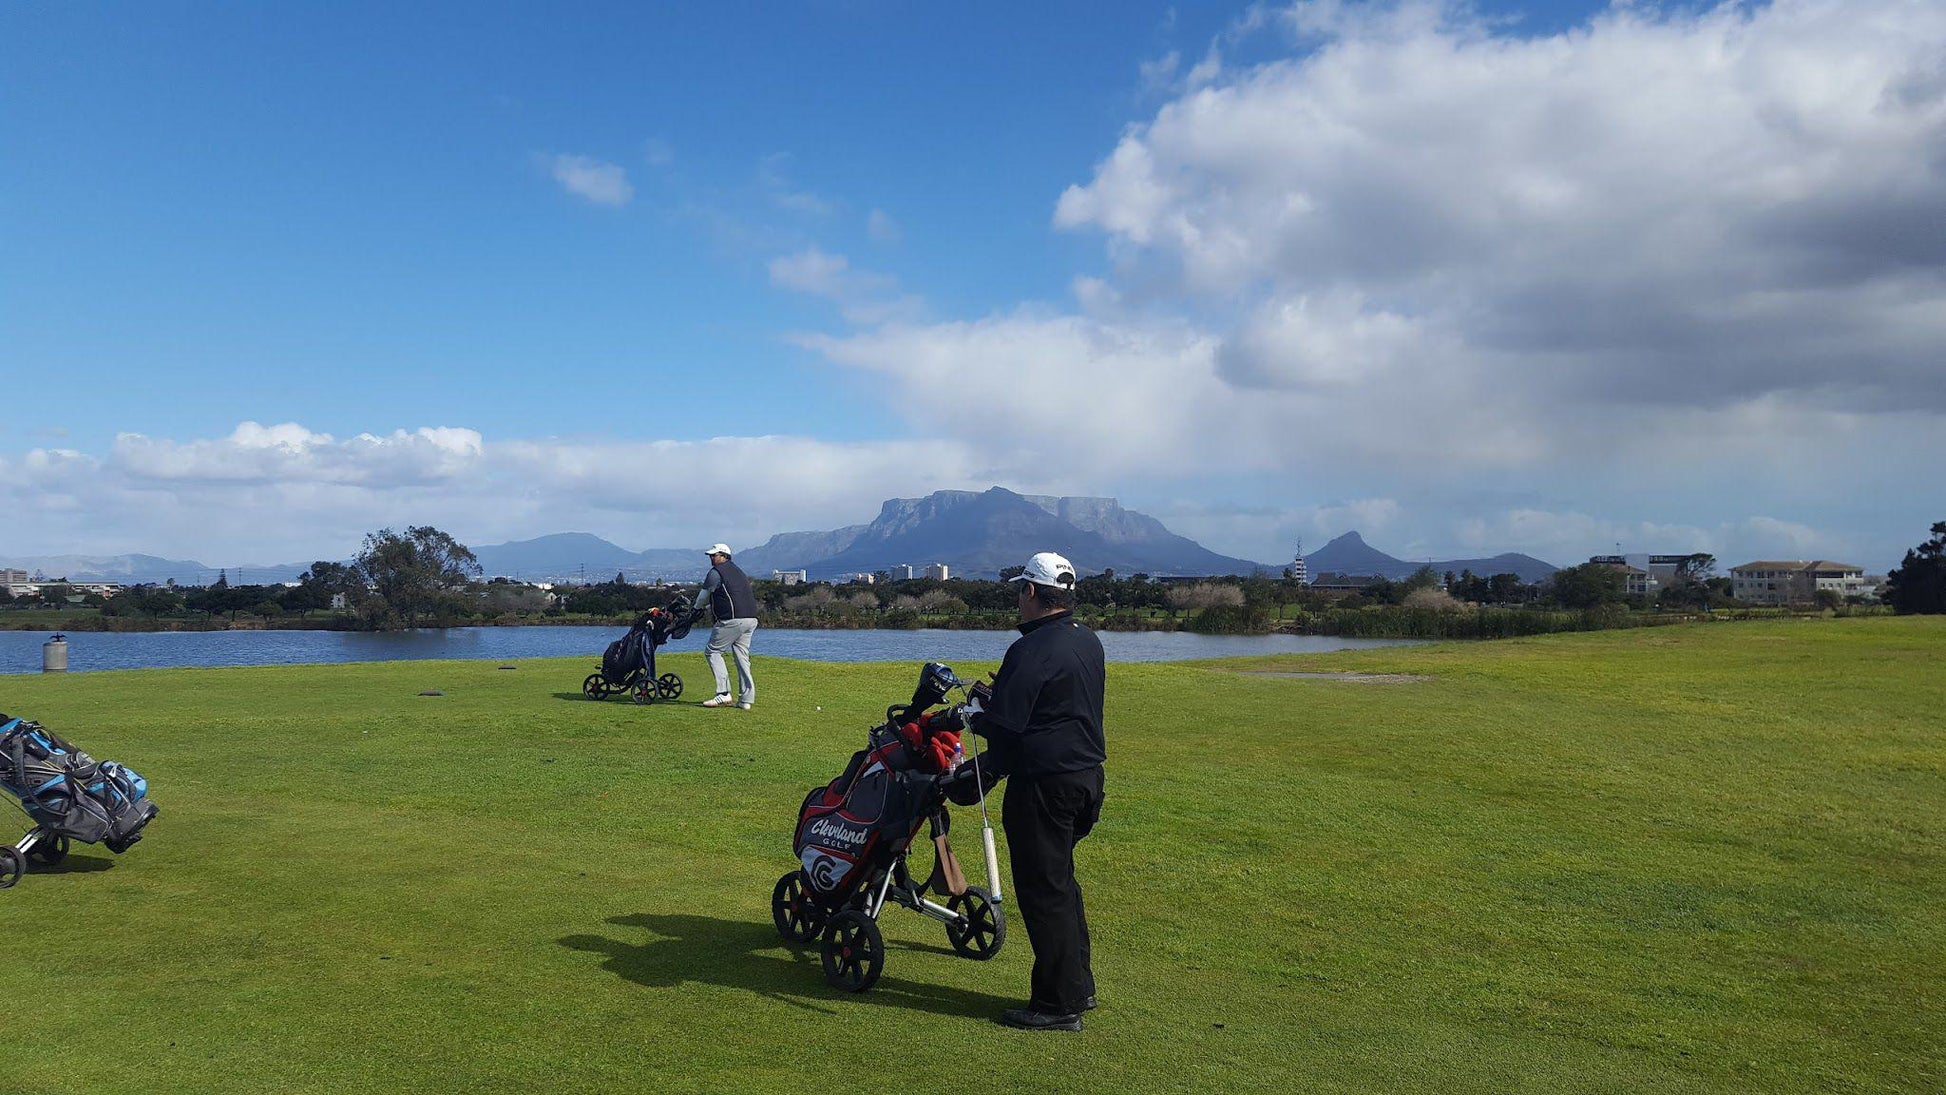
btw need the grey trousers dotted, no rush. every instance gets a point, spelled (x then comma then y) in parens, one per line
(733, 635)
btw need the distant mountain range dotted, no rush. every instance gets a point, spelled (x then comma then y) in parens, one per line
(975, 533)
(1350, 554)
(145, 569)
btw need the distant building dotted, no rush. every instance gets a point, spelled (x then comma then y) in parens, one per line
(939, 571)
(901, 572)
(1663, 570)
(1636, 582)
(1344, 585)
(1795, 581)
(862, 579)
(13, 577)
(1300, 570)
(788, 577)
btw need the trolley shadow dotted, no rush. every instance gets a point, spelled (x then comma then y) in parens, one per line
(749, 956)
(73, 864)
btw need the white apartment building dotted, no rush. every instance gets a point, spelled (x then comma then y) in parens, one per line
(1795, 581)
(939, 571)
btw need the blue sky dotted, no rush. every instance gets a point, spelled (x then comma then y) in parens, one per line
(671, 272)
(208, 201)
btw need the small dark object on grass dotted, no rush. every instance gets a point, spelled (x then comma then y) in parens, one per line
(432, 692)
(510, 667)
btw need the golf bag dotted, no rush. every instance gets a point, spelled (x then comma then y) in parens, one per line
(625, 657)
(859, 823)
(855, 833)
(629, 662)
(67, 793)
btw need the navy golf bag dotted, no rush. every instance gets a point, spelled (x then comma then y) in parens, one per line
(628, 665)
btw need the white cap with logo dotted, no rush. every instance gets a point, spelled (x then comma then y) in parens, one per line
(718, 549)
(1047, 569)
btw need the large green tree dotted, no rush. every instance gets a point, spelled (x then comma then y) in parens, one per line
(1589, 585)
(1919, 584)
(421, 572)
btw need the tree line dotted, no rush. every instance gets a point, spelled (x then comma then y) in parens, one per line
(424, 577)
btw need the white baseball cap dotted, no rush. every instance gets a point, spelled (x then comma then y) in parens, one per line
(1047, 569)
(719, 549)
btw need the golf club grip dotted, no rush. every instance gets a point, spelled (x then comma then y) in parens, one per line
(993, 861)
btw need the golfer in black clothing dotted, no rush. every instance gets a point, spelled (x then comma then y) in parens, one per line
(1044, 726)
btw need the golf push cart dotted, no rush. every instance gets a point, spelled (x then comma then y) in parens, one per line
(854, 834)
(68, 796)
(628, 665)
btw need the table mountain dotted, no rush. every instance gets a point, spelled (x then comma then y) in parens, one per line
(976, 533)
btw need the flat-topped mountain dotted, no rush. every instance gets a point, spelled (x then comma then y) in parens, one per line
(977, 533)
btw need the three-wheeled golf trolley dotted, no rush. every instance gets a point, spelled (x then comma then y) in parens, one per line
(854, 836)
(68, 796)
(628, 665)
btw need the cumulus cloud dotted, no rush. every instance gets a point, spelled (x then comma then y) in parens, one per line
(1664, 264)
(289, 452)
(591, 179)
(1672, 207)
(287, 493)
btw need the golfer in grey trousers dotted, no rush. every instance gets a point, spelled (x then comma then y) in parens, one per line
(727, 592)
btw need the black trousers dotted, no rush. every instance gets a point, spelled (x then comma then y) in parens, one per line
(1045, 817)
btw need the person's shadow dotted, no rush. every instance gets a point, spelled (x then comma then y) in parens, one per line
(751, 956)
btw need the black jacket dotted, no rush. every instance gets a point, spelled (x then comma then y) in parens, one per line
(1045, 717)
(730, 596)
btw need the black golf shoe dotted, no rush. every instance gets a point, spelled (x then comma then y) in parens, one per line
(1024, 1019)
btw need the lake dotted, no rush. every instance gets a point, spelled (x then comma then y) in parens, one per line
(20, 651)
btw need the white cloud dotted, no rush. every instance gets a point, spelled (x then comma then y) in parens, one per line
(1716, 204)
(1159, 74)
(1569, 537)
(863, 296)
(1681, 268)
(786, 194)
(286, 493)
(290, 453)
(585, 177)
(880, 226)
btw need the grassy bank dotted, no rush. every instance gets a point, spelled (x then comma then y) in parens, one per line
(1686, 859)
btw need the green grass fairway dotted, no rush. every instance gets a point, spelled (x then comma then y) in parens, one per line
(1698, 858)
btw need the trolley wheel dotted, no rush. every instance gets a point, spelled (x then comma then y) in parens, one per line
(13, 865)
(983, 927)
(854, 951)
(644, 691)
(799, 919)
(594, 688)
(668, 686)
(49, 850)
